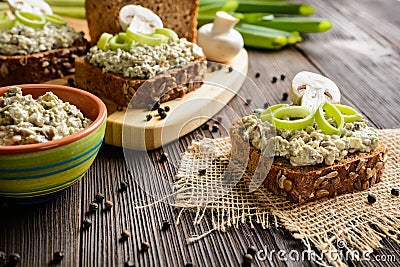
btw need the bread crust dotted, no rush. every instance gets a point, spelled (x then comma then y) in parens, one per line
(40, 67)
(357, 172)
(110, 87)
(179, 15)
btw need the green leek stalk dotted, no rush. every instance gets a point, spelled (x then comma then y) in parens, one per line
(303, 25)
(261, 39)
(211, 8)
(275, 7)
(66, 3)
(203, 3)
(204, 19)
(253, 17)
(292, 37)
(73, 12)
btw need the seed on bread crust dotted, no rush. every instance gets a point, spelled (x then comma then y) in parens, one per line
(365, 185)
(373, 180)
(332, 174)
(360, 165)
(319, 181)
(287, 185)
(281, 181)
(357, 185)
(321, 193)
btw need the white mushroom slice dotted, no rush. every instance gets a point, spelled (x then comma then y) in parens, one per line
(311, 89)
(38, 7)
(139, 19)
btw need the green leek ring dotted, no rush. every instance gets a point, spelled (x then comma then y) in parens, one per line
(305, 114)
(6, 24)
(55, 19)
(120, 41)
(267, 114)
(153, 39)
(330, 111)
(349, 113)
(104, 40)
(30, 19)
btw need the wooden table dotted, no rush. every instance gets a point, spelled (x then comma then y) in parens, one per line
(361, 54)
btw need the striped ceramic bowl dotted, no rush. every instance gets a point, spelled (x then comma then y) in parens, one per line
(36, 171)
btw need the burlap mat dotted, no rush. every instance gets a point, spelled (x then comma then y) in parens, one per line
(346, 223)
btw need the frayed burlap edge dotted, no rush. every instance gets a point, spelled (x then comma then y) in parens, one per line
(345, 224)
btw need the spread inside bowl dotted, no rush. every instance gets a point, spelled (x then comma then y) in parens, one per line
(25, 120)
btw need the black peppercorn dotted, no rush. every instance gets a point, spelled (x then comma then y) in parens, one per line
(71, 82)
(285, 96)
(159, 110)
(219, 119)
(154, 107)
(163, 157)
(129, 263)
(371, 199)
(14, 259)
(163, 115)
(215, 128)
(125, 235)
(274, 79)
(209, 63)
(266, 105)
(144, 246)
(257, 75)
(395, 192)
(202, 171)
(58, 256)
(93, 207)
(108, 204)
(123, 186)
(248, 101)
(87, 223)
(230, 69)
(252, 250)
(165, 225)
(167, 108)
(98, 198)
(283, 77)
(148, 117)
(206, 127)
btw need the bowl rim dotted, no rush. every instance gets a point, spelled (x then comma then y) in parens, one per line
(29, 148)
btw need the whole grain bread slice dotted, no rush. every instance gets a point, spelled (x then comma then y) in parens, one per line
(40, 67)
(179, 15)
(357, 172)
(118, 91)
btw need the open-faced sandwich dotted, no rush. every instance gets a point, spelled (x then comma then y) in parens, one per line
(35, 44)
(144, 52)
(319, 147)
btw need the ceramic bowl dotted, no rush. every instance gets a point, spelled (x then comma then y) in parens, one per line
(38, 170)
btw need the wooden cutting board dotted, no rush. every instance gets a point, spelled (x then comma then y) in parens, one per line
(130, 129)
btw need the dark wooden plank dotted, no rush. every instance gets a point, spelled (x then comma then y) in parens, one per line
(37, 231)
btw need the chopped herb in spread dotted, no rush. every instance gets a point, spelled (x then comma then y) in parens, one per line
(24, 40)
(24, 120)
(144, 61)
(310, 146)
